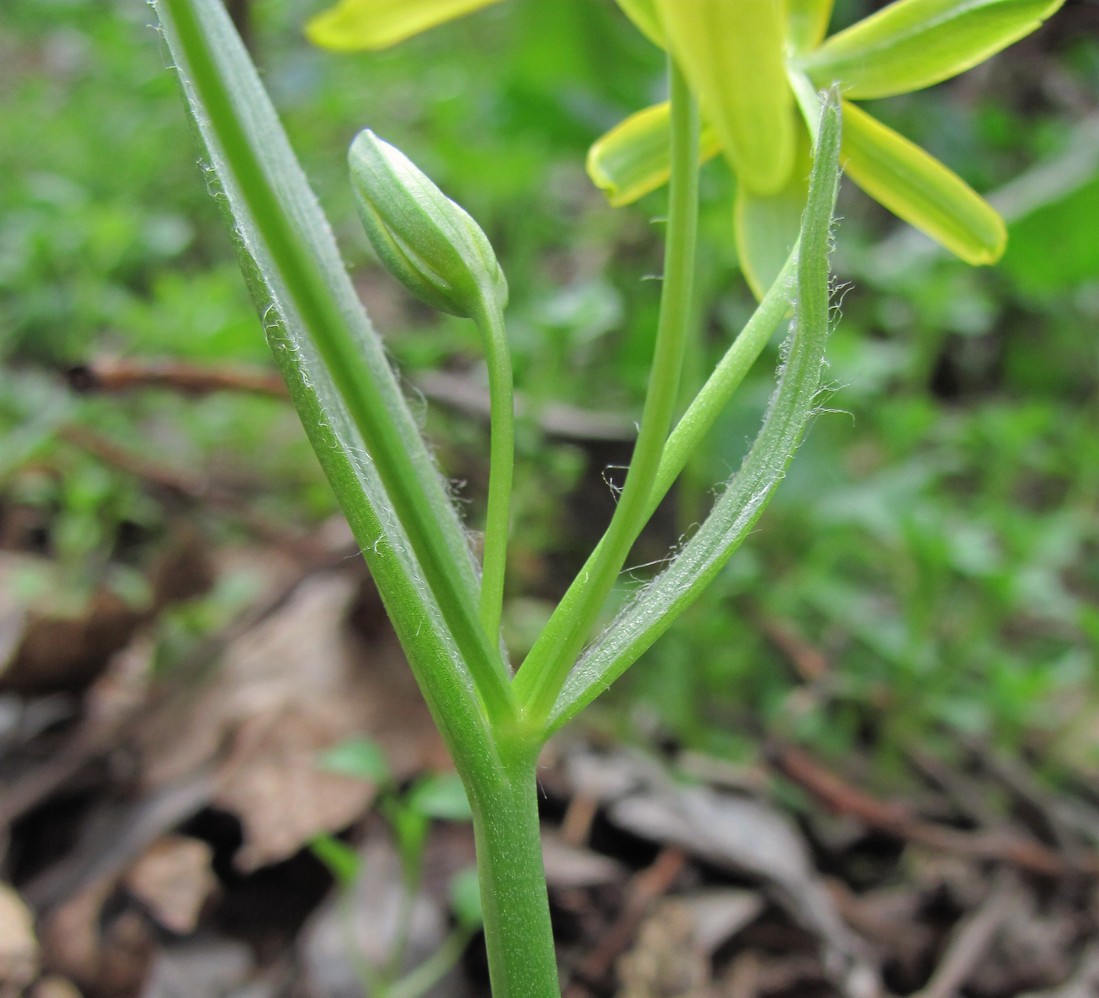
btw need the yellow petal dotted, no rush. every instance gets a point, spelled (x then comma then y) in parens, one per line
(807, 22)
(767, 227)
(646, 18)
(354, 25)
(732, 53)
(912, 44)
(633, 158)
(918, 188)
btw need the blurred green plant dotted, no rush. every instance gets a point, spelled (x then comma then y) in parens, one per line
(409, 812)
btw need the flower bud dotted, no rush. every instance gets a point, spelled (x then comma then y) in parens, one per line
(429, 243)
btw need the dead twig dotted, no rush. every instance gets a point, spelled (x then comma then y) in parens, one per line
(646, 887)
(809, 662)
(110, 375)
(456, 391)
(555, 419)
(898, 820)
(971, 939)
(1067, 818)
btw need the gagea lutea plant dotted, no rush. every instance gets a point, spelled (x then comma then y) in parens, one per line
(754, 67)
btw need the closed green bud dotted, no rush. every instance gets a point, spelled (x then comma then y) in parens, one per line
(429, 243)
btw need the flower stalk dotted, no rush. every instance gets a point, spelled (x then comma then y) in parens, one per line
(542, 675)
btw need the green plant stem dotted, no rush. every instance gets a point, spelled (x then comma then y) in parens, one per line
(355, 381)
(411, 881)
(365, 973)
(749, 490)
(714, 395)
(549, 661)
(423, 976)
(501, 468)
(518, 935)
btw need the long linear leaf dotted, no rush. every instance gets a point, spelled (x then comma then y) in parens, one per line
(749, 491)
(646, 19)
(547, 665)
(913, 44)
(340, 381)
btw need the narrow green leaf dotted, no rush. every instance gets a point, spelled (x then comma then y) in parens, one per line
(768, 227)
(358, 757)
(733, 54)
(749, 491)
(465, 899)
(342, 861)
(634, 157)
(355, 25)
(914, 43)
(440, 796)
(646, 18)
(918, 188)
(339, 378)
(807, 22)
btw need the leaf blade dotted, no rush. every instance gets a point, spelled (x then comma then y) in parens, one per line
(807, 22)
(646, 18)
(766, 228)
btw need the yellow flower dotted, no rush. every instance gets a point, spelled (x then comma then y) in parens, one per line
(754, 65)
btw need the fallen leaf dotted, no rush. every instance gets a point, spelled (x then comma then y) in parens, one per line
(173, 880)
(200, 968)
(362, 927)
(569, 866)
(747, 836)
(1084, 982)
(46, 644)
(55, 987)
(126, 956)
(272, 781)
(288, 689)
(70, 933)
(18, 945)
(666, 961)
(104, 956)
(720, 914)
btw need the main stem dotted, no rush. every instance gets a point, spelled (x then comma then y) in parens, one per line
(522, 961)
(518, 934)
